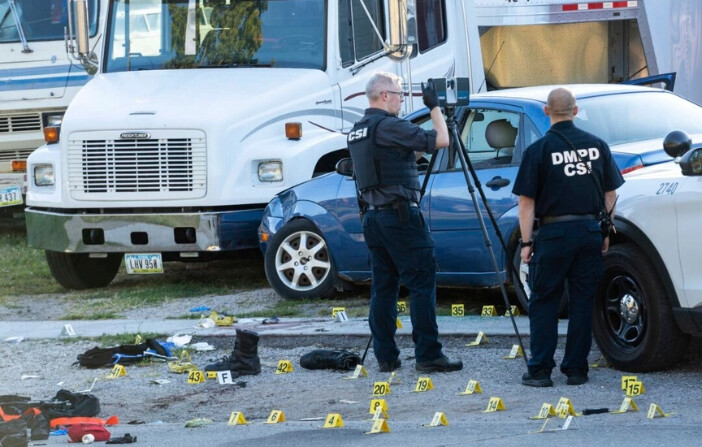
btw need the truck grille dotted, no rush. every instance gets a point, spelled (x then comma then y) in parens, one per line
(19, 154)
(20, 123)
(137, 169)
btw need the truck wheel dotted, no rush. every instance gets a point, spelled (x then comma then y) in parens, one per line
(633, 321)
(298, 262)
(79, 271)
(521, 275)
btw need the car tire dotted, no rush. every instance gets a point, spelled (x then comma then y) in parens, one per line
(633, 321)
(298, 262)
(520, 274)
(79, 271)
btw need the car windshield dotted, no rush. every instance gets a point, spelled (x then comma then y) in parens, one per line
(40, 20)
(631, 117)
(170, 34)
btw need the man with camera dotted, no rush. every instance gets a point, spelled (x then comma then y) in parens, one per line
(383, 148)
(567, 179)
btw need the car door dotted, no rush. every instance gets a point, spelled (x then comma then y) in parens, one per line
(461, 251)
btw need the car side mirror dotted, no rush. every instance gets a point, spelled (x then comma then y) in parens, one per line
(676, 143)
(344, 167)
(691, 162)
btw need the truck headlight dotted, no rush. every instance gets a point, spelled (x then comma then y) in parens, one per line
(44, 174)
(53, 119)
(270, 171)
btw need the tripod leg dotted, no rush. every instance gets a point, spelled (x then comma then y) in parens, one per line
(457, 145)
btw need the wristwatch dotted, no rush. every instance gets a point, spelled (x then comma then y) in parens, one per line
(523, 244)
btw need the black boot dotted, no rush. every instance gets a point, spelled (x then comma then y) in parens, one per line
(244, 359)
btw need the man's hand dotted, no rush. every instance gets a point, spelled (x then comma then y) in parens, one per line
(429, 96)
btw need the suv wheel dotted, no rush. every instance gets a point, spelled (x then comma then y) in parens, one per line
(633, 320)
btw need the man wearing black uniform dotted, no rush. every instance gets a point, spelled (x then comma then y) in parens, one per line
(383, 149)
(562, 181)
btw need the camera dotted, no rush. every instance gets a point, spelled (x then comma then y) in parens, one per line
(452, 92)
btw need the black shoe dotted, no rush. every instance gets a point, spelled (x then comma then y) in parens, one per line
(576, 376)
(225, 364)
(386, 367)
(441, 364)
(540, 378)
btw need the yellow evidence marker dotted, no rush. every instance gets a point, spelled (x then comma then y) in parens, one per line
(495, 404)
(284, 367)
(117, 371)
(394, 379)
(481, 338)
(401, 307)
(360, 371)
(438, 419)
(381, 388)
(627, 404)
(472, 388)
(183, 365)
(457, 310)
(276, 417)
(379, 426)
(565, 408)
(626, 380)
(398, 323)
(488, 311)
(196, 376)
(337, 309)
(656, 411)
(237, 418)
(635, 388)
(378, 404)
(545, 412)
(423, 384)
(333, 420)
(514, 309)
(515, 352)
(211, 374)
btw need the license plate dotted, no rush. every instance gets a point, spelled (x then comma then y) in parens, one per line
(143, 263)
(11, 195)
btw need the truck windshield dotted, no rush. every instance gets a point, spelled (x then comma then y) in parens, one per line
(40, 20)
(175, 34)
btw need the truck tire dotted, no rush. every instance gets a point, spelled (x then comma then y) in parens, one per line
(633, 320)
(298, 262)
(78, 271)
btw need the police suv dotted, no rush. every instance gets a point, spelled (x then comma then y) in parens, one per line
(649, 301)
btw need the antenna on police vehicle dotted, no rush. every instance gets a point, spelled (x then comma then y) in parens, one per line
(455, 93)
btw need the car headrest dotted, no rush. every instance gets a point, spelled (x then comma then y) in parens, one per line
(500, 133)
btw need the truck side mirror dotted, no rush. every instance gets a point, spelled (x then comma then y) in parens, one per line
(402, 30)
(78, 14)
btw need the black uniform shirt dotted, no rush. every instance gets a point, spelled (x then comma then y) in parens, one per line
(401, 134)
(557, 177)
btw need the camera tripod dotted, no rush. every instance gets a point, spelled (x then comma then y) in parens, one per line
(456, 145)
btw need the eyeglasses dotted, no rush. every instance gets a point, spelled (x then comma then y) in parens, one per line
(397, 93)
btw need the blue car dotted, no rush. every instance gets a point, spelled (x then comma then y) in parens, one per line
(311, 234)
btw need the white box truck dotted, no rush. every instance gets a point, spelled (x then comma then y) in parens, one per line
(37, 82)
(202, 110)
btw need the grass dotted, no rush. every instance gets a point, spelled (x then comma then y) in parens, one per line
(24, 272)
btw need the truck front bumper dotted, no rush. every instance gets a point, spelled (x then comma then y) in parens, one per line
(186, 232)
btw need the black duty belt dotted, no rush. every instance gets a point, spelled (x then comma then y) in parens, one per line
(565, 218)
(391, 206)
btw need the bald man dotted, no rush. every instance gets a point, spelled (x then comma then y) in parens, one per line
(565, 179)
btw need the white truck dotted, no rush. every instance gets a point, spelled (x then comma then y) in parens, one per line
(37, 82)
(202, 110)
